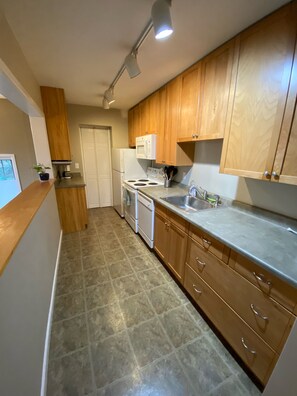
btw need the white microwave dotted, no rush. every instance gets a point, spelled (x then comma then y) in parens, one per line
(146, 147)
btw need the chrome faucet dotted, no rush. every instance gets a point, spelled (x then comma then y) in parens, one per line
(199, 192)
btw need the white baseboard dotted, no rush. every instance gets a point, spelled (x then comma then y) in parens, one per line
(49, 324)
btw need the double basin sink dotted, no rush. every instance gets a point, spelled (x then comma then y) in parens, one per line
(188, 203)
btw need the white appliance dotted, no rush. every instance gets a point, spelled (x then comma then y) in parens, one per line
(146, 146)
(125, 165)
(133, 206)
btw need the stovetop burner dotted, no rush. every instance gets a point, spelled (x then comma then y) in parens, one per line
(153, 184)
(143, 180)
(139, 184)
(131, 181)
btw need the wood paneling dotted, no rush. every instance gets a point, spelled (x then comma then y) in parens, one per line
(72, 208)
(16, 216)
(54, 108)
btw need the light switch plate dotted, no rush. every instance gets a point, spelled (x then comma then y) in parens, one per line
(76, 165)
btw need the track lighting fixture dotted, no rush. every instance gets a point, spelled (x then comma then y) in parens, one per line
(132, 65)
(161, 19)
(161, 22)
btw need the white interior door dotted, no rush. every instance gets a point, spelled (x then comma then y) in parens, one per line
(96, 154)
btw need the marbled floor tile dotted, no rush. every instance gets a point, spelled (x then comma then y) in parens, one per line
(113, 244)
(232, 386)
(69, 284)
(73, 236)
(70, 244)
(97, 296)
(136, 309)
(95, 261)
(127, 386)
(130, 240)
(120, 268)
(70, 254)
(141, 263)
(115, 255)
(163, 298)
(105, 321)
(123, 233)
(151, 278)
(149, 342)
(69, 305)
(91, 250)
(67, 336)
(70, 375)
(112, 359)
(166, 273)
(96, 276)
(107, 236)
(69, 267)
(197, 317)
(101, 221)
(127, 286)
(180, 294)
(248, 384)
(89, 243)
(103, 230)
(180, 326)
(135, 250)
(165, 378)
(203, 365)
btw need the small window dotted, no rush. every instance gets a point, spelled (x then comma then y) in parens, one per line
(10, 185)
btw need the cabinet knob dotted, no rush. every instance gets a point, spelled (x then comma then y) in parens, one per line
(267, 174)
(275, 175)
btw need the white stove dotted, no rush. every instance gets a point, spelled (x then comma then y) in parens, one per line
(144, 182)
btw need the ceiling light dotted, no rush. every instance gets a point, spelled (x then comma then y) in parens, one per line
(132, 65)
(109, 96)
(105, 104)
(161, 19)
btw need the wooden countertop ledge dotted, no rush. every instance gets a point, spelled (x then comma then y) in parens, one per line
(16, 217)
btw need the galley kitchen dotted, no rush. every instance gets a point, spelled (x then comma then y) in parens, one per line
(160, 255)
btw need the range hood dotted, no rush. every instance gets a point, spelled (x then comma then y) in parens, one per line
(61, 162)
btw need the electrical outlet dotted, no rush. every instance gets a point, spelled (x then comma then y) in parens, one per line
(76, 165)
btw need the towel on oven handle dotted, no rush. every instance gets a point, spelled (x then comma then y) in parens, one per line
(127, 198)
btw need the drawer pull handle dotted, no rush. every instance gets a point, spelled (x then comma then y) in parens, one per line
(200, 262)
(207, 242)
(197, 290)
(261, 278)
(257, 313)
(247, 348)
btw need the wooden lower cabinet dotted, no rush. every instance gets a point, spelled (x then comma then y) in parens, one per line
(72, 208)
(256, 354)
(171, 241)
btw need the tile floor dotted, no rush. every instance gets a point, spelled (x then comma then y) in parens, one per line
(123, 327)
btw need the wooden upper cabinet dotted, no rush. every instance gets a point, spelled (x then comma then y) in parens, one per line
(263, 75)
(217, 88)
(160, 152)
(133, 125)
(131, 137)
(154, 108)
(143, 118)
(54, 108)
(190, 93)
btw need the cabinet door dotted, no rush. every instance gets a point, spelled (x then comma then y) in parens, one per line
(160, 155)
(263, 74)
(216, 90)
(136, 122)
(131, 137)
(153, 111)
(177, 249)
(161, 236)
(72, 208)
(172, 120)
(144, 118)
(54, 108)
(190, 92)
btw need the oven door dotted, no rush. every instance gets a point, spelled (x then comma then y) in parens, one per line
(130, 206)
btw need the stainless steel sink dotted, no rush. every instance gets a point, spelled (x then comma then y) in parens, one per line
(188, 203)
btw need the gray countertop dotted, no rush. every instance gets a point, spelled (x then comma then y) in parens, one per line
(257, 234)
(75, 181)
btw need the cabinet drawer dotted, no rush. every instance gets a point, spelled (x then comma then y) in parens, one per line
(256, 354)
(209, 243)
(178, 221)
(271, 285)
(161, 209)
(267, 318)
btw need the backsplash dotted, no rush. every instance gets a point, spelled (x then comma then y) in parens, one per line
(276, 197)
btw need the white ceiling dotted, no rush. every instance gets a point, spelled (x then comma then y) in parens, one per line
(80, 45)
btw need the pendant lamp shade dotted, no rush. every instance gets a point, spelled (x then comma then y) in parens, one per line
(132, 65)
(161, 19)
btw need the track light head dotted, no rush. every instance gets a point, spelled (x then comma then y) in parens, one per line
(132, 65)
(105, 103)
(109, 96)
(161, 19)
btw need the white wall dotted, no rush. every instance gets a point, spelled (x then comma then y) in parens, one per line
(276, 197)
(25, 292)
